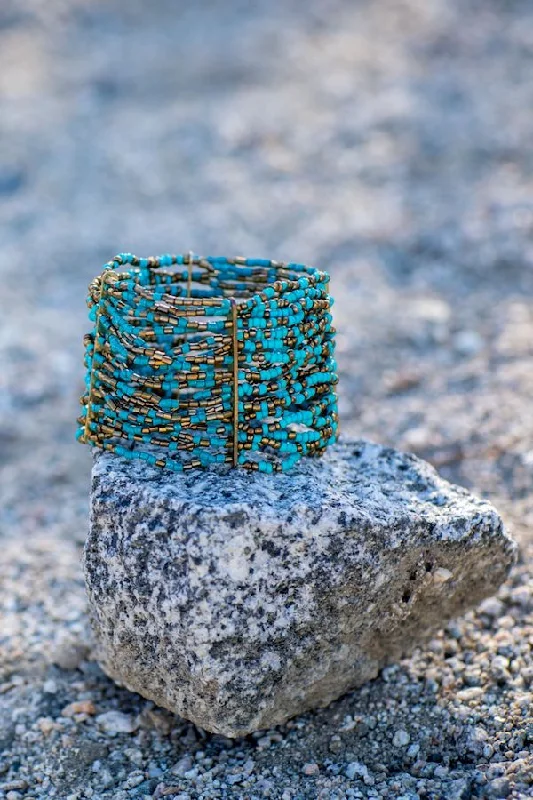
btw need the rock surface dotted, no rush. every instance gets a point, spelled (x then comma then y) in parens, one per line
(239, 600)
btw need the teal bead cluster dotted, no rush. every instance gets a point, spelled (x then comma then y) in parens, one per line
(196, 361)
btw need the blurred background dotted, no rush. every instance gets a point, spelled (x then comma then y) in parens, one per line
(386, 141)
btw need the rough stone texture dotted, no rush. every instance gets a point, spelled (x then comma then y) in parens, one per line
(239, 600)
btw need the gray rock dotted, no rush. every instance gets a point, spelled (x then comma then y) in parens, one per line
(238, 600)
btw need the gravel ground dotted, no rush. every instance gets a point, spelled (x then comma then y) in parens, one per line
(388, 141)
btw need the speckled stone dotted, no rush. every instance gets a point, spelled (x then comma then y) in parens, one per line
(238, 600)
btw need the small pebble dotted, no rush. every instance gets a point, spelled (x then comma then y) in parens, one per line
(14, 785)
(69, 655)
(413, 750)
(498, 788)
(79, 707)
(182, 766)
(401, 738)
(356, 769)
(468, 343)
(117, 722)
(492, 607)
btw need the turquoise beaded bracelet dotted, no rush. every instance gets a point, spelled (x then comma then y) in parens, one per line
(198, 361)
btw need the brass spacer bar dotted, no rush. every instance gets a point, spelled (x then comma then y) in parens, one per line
(235, 383)
(190, 256)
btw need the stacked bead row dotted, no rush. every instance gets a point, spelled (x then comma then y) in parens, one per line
(196, 361)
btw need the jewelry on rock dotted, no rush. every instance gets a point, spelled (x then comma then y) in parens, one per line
(197, 361)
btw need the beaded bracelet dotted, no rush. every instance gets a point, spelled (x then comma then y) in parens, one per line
(197, 361)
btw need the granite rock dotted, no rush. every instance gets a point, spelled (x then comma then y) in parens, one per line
(238, 600)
